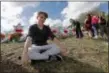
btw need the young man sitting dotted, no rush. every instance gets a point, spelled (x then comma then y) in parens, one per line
(36, 46)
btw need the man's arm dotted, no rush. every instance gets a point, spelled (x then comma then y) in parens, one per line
(63, 48)
(27, 44)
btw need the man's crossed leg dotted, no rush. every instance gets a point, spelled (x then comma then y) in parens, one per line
(34, 52)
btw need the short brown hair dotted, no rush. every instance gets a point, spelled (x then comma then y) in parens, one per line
(44, 13)
(88, 14)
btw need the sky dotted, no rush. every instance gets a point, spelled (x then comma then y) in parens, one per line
(59, 12)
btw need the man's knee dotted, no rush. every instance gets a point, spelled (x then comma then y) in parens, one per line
(55, 48)
(53, 45)
(31, 52)
(31, 49)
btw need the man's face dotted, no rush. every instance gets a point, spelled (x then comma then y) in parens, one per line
(41, 18)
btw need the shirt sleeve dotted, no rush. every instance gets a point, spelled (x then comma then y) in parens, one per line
(51, 35)
(30, 32)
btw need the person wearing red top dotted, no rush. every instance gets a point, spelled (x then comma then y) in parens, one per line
(95, 25)
(87, 25)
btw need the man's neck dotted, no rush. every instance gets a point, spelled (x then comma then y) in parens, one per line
(40, 25)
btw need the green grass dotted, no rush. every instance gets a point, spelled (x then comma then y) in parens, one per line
(86, 55)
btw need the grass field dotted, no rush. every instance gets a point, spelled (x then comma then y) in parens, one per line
(86, 55)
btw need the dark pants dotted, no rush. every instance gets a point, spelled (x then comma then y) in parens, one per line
(79, 33)
(103, 30)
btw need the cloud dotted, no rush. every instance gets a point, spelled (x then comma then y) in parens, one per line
(25, 4)
(33, 19)
(8, 25)
(74, 9)
(51, 22)
(11, 13)
(8, 11)
(66, 22)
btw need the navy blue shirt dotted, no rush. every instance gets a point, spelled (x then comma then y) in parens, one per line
(40, 36)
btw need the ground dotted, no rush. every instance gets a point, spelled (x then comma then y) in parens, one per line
(86, 55)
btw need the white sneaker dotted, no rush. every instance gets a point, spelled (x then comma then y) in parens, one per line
(96, 37)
